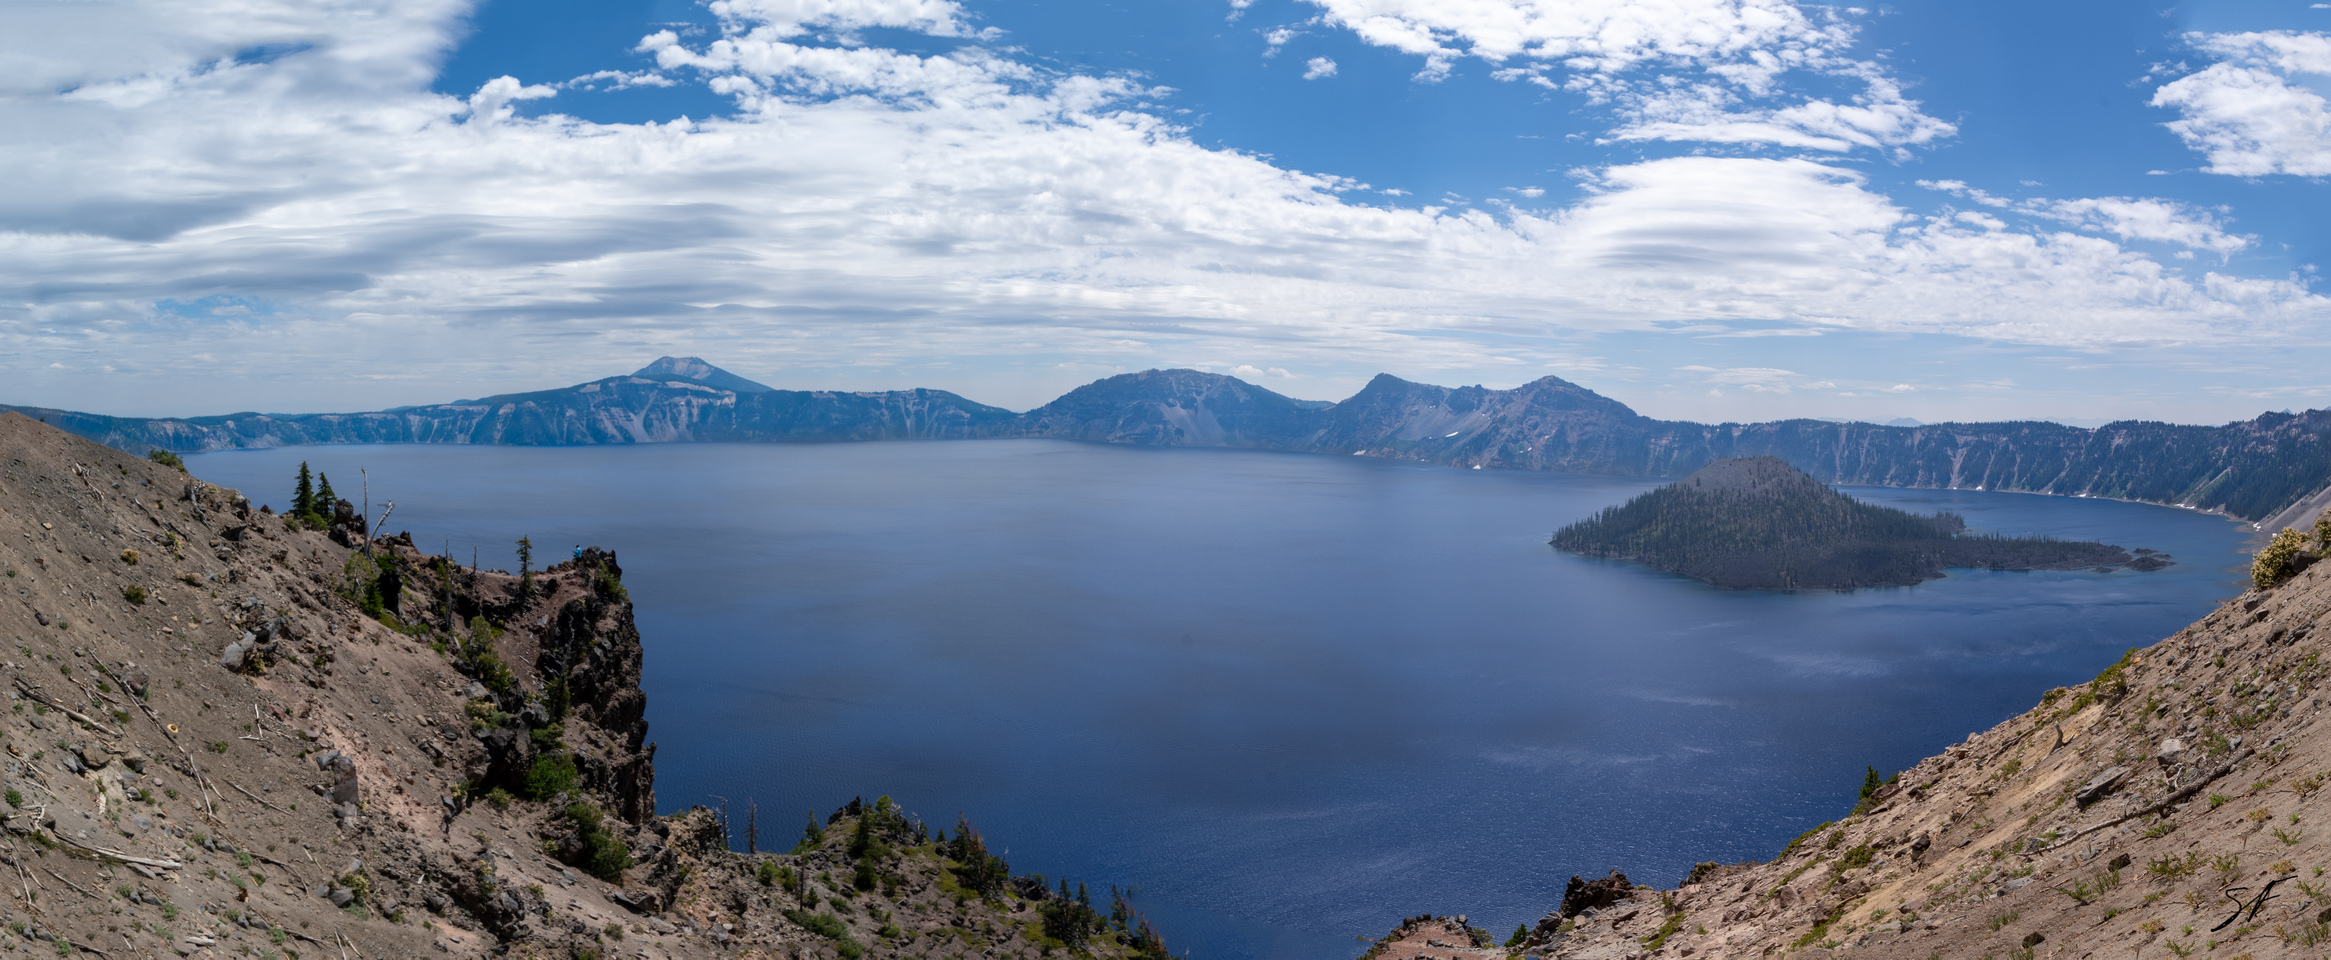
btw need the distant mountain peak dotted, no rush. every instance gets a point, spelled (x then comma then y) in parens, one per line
(695, 370)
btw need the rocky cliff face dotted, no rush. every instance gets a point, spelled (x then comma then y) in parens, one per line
(2172, 806)
(233, 735)
(2250, 469)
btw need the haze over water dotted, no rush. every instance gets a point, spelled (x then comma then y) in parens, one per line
(1289, 698)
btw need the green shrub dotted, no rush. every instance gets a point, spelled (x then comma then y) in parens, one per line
(604, 855)
(2273, 564)
(1807, 835)
(134, 594)
(493, 672)
(553, 774)
(2113, 682)
(15, 799)
(831, 928)
(358, 883)
(167, 459)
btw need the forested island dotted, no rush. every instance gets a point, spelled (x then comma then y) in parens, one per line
(1758, 523)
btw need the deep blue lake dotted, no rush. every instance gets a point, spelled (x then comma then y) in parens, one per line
(1289, 699)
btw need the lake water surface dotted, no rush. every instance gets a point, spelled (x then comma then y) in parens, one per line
(1287, 698)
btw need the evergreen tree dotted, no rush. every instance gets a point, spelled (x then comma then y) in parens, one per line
(303, 495)
(325, 498)
(812, 836)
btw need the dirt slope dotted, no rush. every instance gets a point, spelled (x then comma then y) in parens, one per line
(214, 749)
(2125, 817)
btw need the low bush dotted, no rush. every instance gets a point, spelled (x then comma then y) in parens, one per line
(553, 774)
(603, 853)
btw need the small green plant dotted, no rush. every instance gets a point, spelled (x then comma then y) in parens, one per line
(2289, 838)
(134, 594)
(500, 798)
(1999, 920)
(15, 798)
(1674, 923)
(2217, 800)
(171, 460)
(2272, 565)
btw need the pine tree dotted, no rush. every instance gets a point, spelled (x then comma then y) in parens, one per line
(303, 495)
(326, 500)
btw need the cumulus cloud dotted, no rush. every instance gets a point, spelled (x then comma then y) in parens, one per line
(1318, 68)
(2256, 112)
(1692, 70)
(867, 206)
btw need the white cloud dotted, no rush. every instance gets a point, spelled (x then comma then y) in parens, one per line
(2256, 112)
(1317, 68)
(792, 18)
(871, 207)
(2130, 218)
(2140, 218)
(1739, 51)
(491, 104)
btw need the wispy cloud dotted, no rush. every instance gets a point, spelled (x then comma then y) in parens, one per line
(1713, 71)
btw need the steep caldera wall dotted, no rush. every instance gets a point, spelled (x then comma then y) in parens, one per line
(237, 733)
(2249, 469)
(2173, 806)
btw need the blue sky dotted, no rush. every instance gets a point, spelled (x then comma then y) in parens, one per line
(1713, 209)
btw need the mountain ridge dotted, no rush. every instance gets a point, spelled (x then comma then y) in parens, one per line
(2247, 469)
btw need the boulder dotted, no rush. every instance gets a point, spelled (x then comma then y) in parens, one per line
(344, 781)
(2100, 785)
(235, 654)
(1583, 894)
